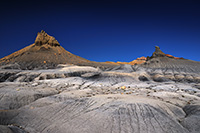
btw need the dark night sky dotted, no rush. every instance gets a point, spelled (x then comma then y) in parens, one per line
(104, 30)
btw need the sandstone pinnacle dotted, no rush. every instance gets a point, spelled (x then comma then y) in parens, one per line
(43, 38)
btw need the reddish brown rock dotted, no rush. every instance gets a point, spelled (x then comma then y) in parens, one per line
(134, 62)
(138, 61)
(168, 55)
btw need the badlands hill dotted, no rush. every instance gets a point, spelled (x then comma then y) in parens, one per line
(160, 60)
(45, 53)
(172, 68)
(161, 95)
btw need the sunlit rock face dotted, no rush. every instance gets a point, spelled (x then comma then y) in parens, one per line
(139, 60)
(43, 38)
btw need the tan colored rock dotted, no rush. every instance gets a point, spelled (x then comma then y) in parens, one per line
(43, 38)
(179, 77)
(159, 78)
(170, 76)
(139, 60)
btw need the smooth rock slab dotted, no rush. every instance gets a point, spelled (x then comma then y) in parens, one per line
(14, 97)
(102, 113)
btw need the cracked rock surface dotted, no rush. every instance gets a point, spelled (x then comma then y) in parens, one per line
(124, 99)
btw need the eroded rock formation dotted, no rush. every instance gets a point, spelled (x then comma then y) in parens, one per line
(77, 99)
(43, 38)
(161, 95)
(158, 52)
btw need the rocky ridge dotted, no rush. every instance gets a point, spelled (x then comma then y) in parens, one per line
(139, 60)
(142, 60)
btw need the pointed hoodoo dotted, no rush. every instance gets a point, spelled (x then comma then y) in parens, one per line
(158, 52)
(43, 38)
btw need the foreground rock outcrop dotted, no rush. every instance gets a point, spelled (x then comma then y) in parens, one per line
(86, 99)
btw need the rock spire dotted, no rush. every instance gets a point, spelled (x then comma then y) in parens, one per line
(43, 38)
(158, 52)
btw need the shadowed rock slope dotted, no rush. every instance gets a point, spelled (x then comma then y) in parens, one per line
(46, 53)
(163, 67)
(159, 60)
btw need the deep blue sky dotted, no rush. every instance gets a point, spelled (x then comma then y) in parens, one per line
(104, 30)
